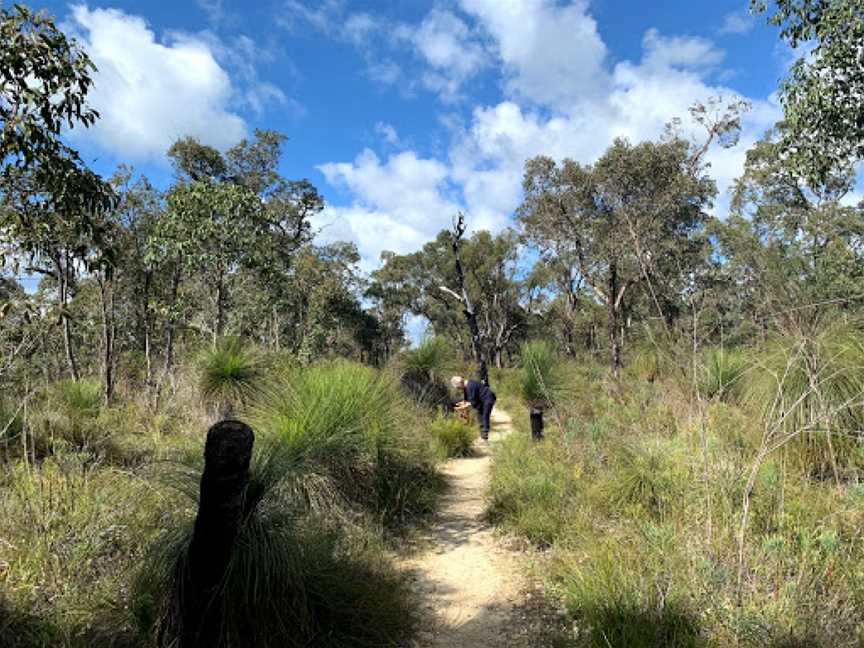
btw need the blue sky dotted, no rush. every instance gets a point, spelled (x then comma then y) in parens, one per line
(403, 112)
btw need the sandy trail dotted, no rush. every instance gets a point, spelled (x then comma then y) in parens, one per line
(469, 584)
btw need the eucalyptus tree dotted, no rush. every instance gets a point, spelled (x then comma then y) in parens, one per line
(793, 245)
(632, 221)
(822, 96)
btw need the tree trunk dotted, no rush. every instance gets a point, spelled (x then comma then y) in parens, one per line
(614, 310)
(146, 319)
(536, 423)
(468, 310)
(68, 345)
(172, 322)
(220, 309)
(106, 298)
(227, 454)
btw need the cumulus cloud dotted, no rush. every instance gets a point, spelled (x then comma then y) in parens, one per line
(399, 203)
(451, 51)
(148, 92)
(562, 97)
(551, 55)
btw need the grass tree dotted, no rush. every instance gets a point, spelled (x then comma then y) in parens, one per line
(541, 380)
(422, 370)
(229, 375)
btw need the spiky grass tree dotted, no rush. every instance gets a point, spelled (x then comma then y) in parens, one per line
(230, 374)
(723, 373)
(330, 449)
(541, 381)
(422, 370)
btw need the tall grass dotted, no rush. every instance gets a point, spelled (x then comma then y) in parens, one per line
(229, 375)
(541, 376)
(723, 374)
(422, 370)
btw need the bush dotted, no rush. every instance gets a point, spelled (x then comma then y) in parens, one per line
(295, 578)
(649, 473)
(722, 375)
(422, 371)
(66, 418)
(541, 377)
(452, 437)
(230, 375)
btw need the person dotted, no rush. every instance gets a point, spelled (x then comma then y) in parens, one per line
(480, 398)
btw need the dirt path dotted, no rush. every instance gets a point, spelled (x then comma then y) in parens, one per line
(469, 584)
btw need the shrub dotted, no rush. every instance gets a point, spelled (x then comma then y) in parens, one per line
(541, 377)
(230, 374)
(647, 473)
(66, 417)
(422, 371)
(722, 376)
(294, 578)
(451, 437)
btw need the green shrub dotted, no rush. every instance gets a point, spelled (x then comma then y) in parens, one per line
(722, 376)
(348, 423)
(66, 418)
(531, 491)
(452, 437)
(541, 378)
(431, 357)
(295, 578)
(230, 375)
(648, 473)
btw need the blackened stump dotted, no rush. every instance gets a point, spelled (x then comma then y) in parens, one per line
(536, 423)
(227, 454)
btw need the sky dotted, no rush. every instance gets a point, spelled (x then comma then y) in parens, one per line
(402, 113)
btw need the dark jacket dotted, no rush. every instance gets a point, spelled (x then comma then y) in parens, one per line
(478, 394)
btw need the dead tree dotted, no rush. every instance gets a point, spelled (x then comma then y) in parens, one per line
(462, 295)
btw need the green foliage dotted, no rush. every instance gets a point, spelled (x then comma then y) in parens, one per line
(66, 417)
(452, 437)
(723, 374)
(530, 490)
(648, 473)
(431, 357)
(294, 579)
(821, 96)
(230, 374)
(541, 377)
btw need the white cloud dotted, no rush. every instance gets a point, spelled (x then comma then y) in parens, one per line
(388, 133)
(737, 22)
(399, 203)
(149, 93)
(450, 49)
(561, 98)
(551, 55)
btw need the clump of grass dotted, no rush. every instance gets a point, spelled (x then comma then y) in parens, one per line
(229, 375)
(722, 376)
(451, 437)
(422, 370)
(531, 491)
(296, 577)
(65, 418)
(349, 422)
(541, 377)
(649, 474)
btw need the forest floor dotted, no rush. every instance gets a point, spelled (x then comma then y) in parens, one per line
(471, 586)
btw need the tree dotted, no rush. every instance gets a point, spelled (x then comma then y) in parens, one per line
(823, 93)
(791, 244)
(44, 80)
(631, 221)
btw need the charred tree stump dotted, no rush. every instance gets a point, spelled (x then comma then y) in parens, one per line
(536, 423)
(227, 454)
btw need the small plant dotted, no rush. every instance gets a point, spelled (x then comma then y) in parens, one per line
(722, 376)
(230, 374)
(647, 474)
(67, 417)
(451, 437)
(541, 381)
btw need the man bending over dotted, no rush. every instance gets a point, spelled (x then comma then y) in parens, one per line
(480, 397)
